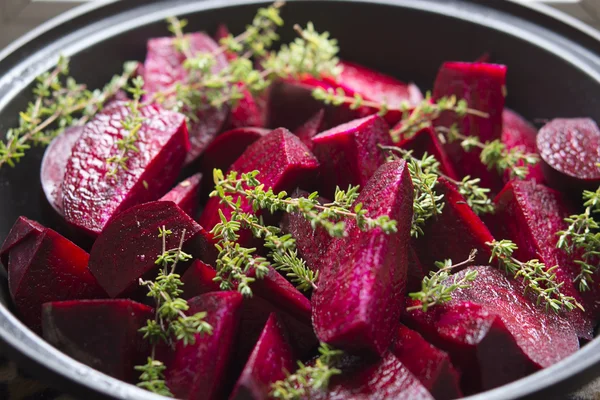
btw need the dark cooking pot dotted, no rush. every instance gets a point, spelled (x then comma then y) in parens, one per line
(554, 70)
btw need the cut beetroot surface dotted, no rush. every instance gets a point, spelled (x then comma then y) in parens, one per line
(416, 272)
(197, 371)
(22, 228)
(570, 151)
(361, 290)
(310, 128)
(90, 196)
(164, 68)
(519, 133)
(483, 87)
(186, 195)
(103, 334)
(271, 357)
(348, 153)
(199, 279)
(129, 245)
(250, 111)
(54, 165)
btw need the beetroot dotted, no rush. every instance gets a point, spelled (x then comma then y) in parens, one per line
(517, 132)
(129, 245)
(164, 68)
(415, 273)
(271, 357)
(428, 364)
(349, 154)
(186, 195)
(54, 165)
(249, 111)
(197, 371)
(90, 196)
(493, 333)
(22, 228)
(103, 334)
(483, 87)
(570, 152)
(43, 266)
(199, 279)
(361, 290)
(310, 128)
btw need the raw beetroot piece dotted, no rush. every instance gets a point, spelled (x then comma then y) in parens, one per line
(283, 161)
(483, 87)
(570, 152)
(530, 214)
(54, 165)
(271, 357)
(361, 290)
(164, 68)
(249, 111)
(348, 153)
(453, 233)
(129, 245)
(186, 195)
(428, 364)
(197, 371)
(22, 228)
(199, 279)
(44, 266)
(416, 272)
(90, 196)
(519, 133)
(310, 128)
(103, 334)
(493, 333)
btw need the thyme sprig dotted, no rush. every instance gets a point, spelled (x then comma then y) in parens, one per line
(308, 378)
(435, 288)
(582, 238)
(539, 279)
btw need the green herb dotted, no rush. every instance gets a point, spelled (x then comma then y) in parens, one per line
(436, 290)
(539, 279)
(308, 379)
(582, 238)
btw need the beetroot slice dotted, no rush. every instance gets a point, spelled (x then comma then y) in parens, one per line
(361, 290)
(310, 128)
(519, 133)
(348, 153)
(428, 364)
(271, 357)
(129, 245)
(483, 87)
(197, 371)
(164, 68)
(90, 196)
(22, 228)
(186, 195)
(570, 152)
(54, 165)
(103, 334)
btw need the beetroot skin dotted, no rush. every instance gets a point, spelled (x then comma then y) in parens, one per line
(103, 334)
(90, 196)
(361, 290)
(186, 195)
(310, 128)
(517, 132)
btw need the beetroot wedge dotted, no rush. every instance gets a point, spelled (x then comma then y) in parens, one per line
(310, 128)
(348, 153)
(249, 111)
(416, 272)
(197, 371)
(361, 290)
(91, 196)
(163, 69)
(519, 133)
(570, 151)
(129, 245)
(199, 279)
(271, 358)
(22, 228)
(103, 334)
(186, 195)
(428, 364)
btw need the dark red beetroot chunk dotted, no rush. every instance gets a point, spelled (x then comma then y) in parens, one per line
(493, 333)
(91, 197)
(428, 364)
(129, 245)
(570, 151)
(518, 132)
(186, 195)
(54, 164)
(163, 69)
(453, 233)
(199, 279)
(103, 334)
(348, 153)
(530, 214)
(416, 272)
(361, 290)
(483, 87)
(271, 357)
(249, 111)
(283, 161)
(22, 228)
(310, 128)
(44, 266)
(197, 371)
